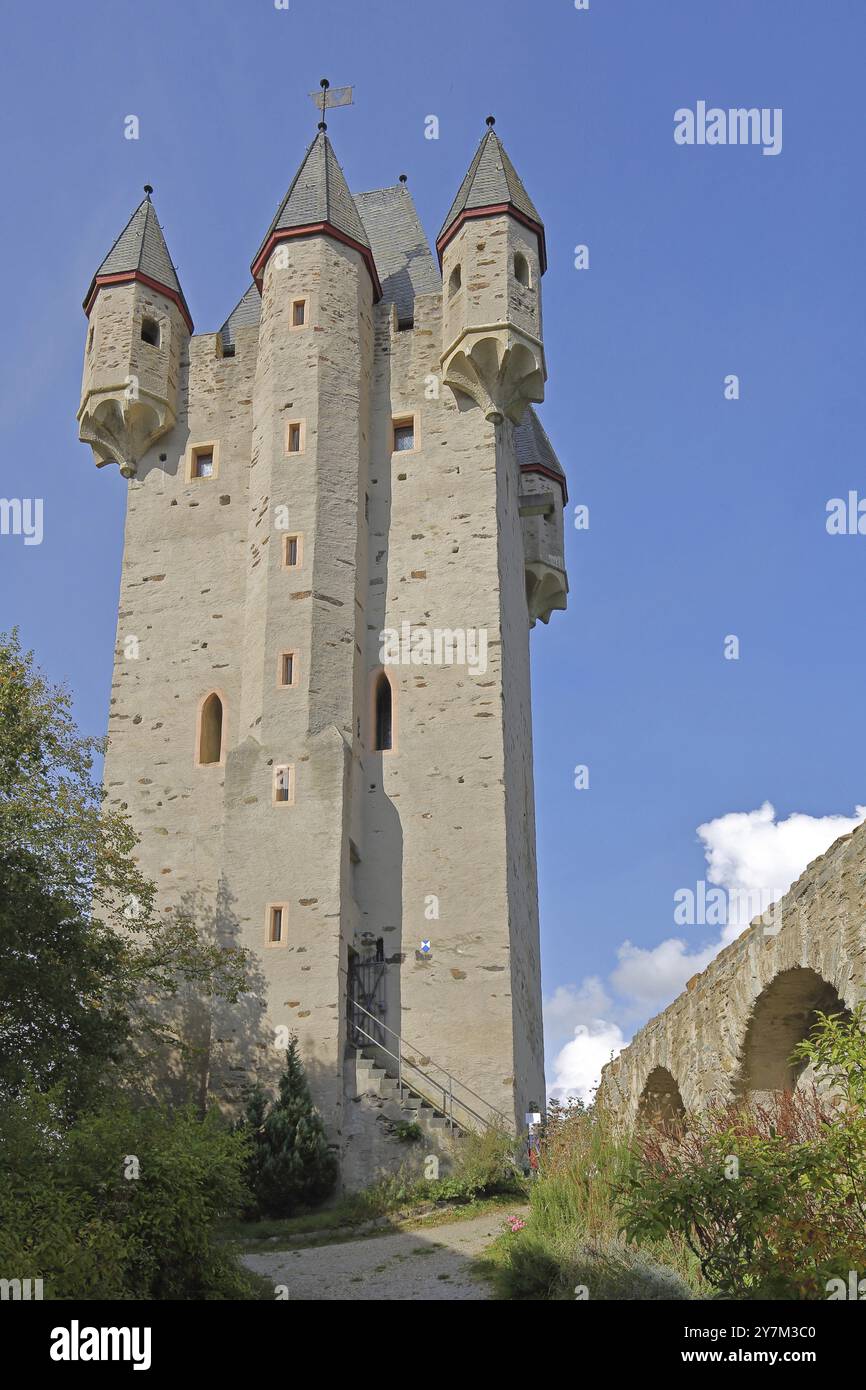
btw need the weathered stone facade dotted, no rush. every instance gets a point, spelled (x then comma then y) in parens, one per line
(375, 849)
(732, 1031)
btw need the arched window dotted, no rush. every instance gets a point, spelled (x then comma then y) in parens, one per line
(150, 331)
(455, 281)
(521, 269)
(384, 716)
(210, 730)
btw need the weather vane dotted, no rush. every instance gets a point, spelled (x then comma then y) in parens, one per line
(330, 96)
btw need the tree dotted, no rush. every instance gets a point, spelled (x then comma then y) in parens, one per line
(291, 1165)
(83, 956)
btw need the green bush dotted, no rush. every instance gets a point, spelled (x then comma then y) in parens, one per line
(73, 1213)
(770, 1196)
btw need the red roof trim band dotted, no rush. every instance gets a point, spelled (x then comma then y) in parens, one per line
(547, 473)
(315, 229)
(124, 277)
(491, 211)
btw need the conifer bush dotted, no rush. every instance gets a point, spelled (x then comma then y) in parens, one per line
(291, 1166)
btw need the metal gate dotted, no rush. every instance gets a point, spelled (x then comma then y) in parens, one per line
(366, 987)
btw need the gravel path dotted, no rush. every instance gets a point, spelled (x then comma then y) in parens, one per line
(425, 1264)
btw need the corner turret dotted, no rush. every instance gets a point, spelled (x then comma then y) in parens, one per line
(492, 252)
(139, 328)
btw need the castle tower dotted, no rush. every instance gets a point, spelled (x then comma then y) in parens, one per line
(339, 534)
(139, 329)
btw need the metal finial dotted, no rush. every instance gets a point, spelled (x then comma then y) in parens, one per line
(404, 178)
(491, 121)
(148, 188)
(323, 125)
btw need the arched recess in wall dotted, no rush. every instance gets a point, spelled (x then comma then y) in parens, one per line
(783, 1015)
(660, 1100)
(210, 730)
(383, 714)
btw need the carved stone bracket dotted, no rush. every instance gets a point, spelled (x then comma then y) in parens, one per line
(121, 424)
(499, 368)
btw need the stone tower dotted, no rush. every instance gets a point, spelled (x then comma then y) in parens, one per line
(343, 519)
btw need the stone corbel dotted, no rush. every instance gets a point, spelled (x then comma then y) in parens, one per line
(499, 368)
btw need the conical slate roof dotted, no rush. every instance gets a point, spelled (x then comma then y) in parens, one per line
(319, 196)
(140, 251)
(319, 193)
(534, 451)
(490, 181)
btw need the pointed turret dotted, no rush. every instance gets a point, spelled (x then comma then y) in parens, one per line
(139, 328)
(140, 253)
(492, 253)
(318, 203)
(492, 185)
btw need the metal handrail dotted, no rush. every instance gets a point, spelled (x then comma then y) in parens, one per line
(448, 1098)
(401, 1061)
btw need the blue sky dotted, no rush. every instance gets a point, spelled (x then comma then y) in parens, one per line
(707, 516)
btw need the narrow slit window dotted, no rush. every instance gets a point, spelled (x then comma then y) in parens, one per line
(455, 281)
(292, 552)
(288, 668)
(275, 925)
(384, 715)
(294, 437)
(284, 785)
(299, 313)
(210, 737)
(150, 331)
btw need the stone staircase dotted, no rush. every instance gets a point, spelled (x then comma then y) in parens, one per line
(372, 1079)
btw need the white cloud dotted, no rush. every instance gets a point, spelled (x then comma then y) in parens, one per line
(649, 979)
(570, 1006)
(749, 850)
(749, 854)
(578, 1065)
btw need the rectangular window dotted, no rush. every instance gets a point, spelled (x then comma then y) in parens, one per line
(276, 924)
(203, 460)
(288, 668)
(292, 552)
(284, 785)
(295, 437)
(404, 435)
(299, 313)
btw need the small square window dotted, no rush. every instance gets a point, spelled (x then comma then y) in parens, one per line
(295, 437)
(299, 313)
(292, 552)
(203, 461)
(150, 331)
(404, 435)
